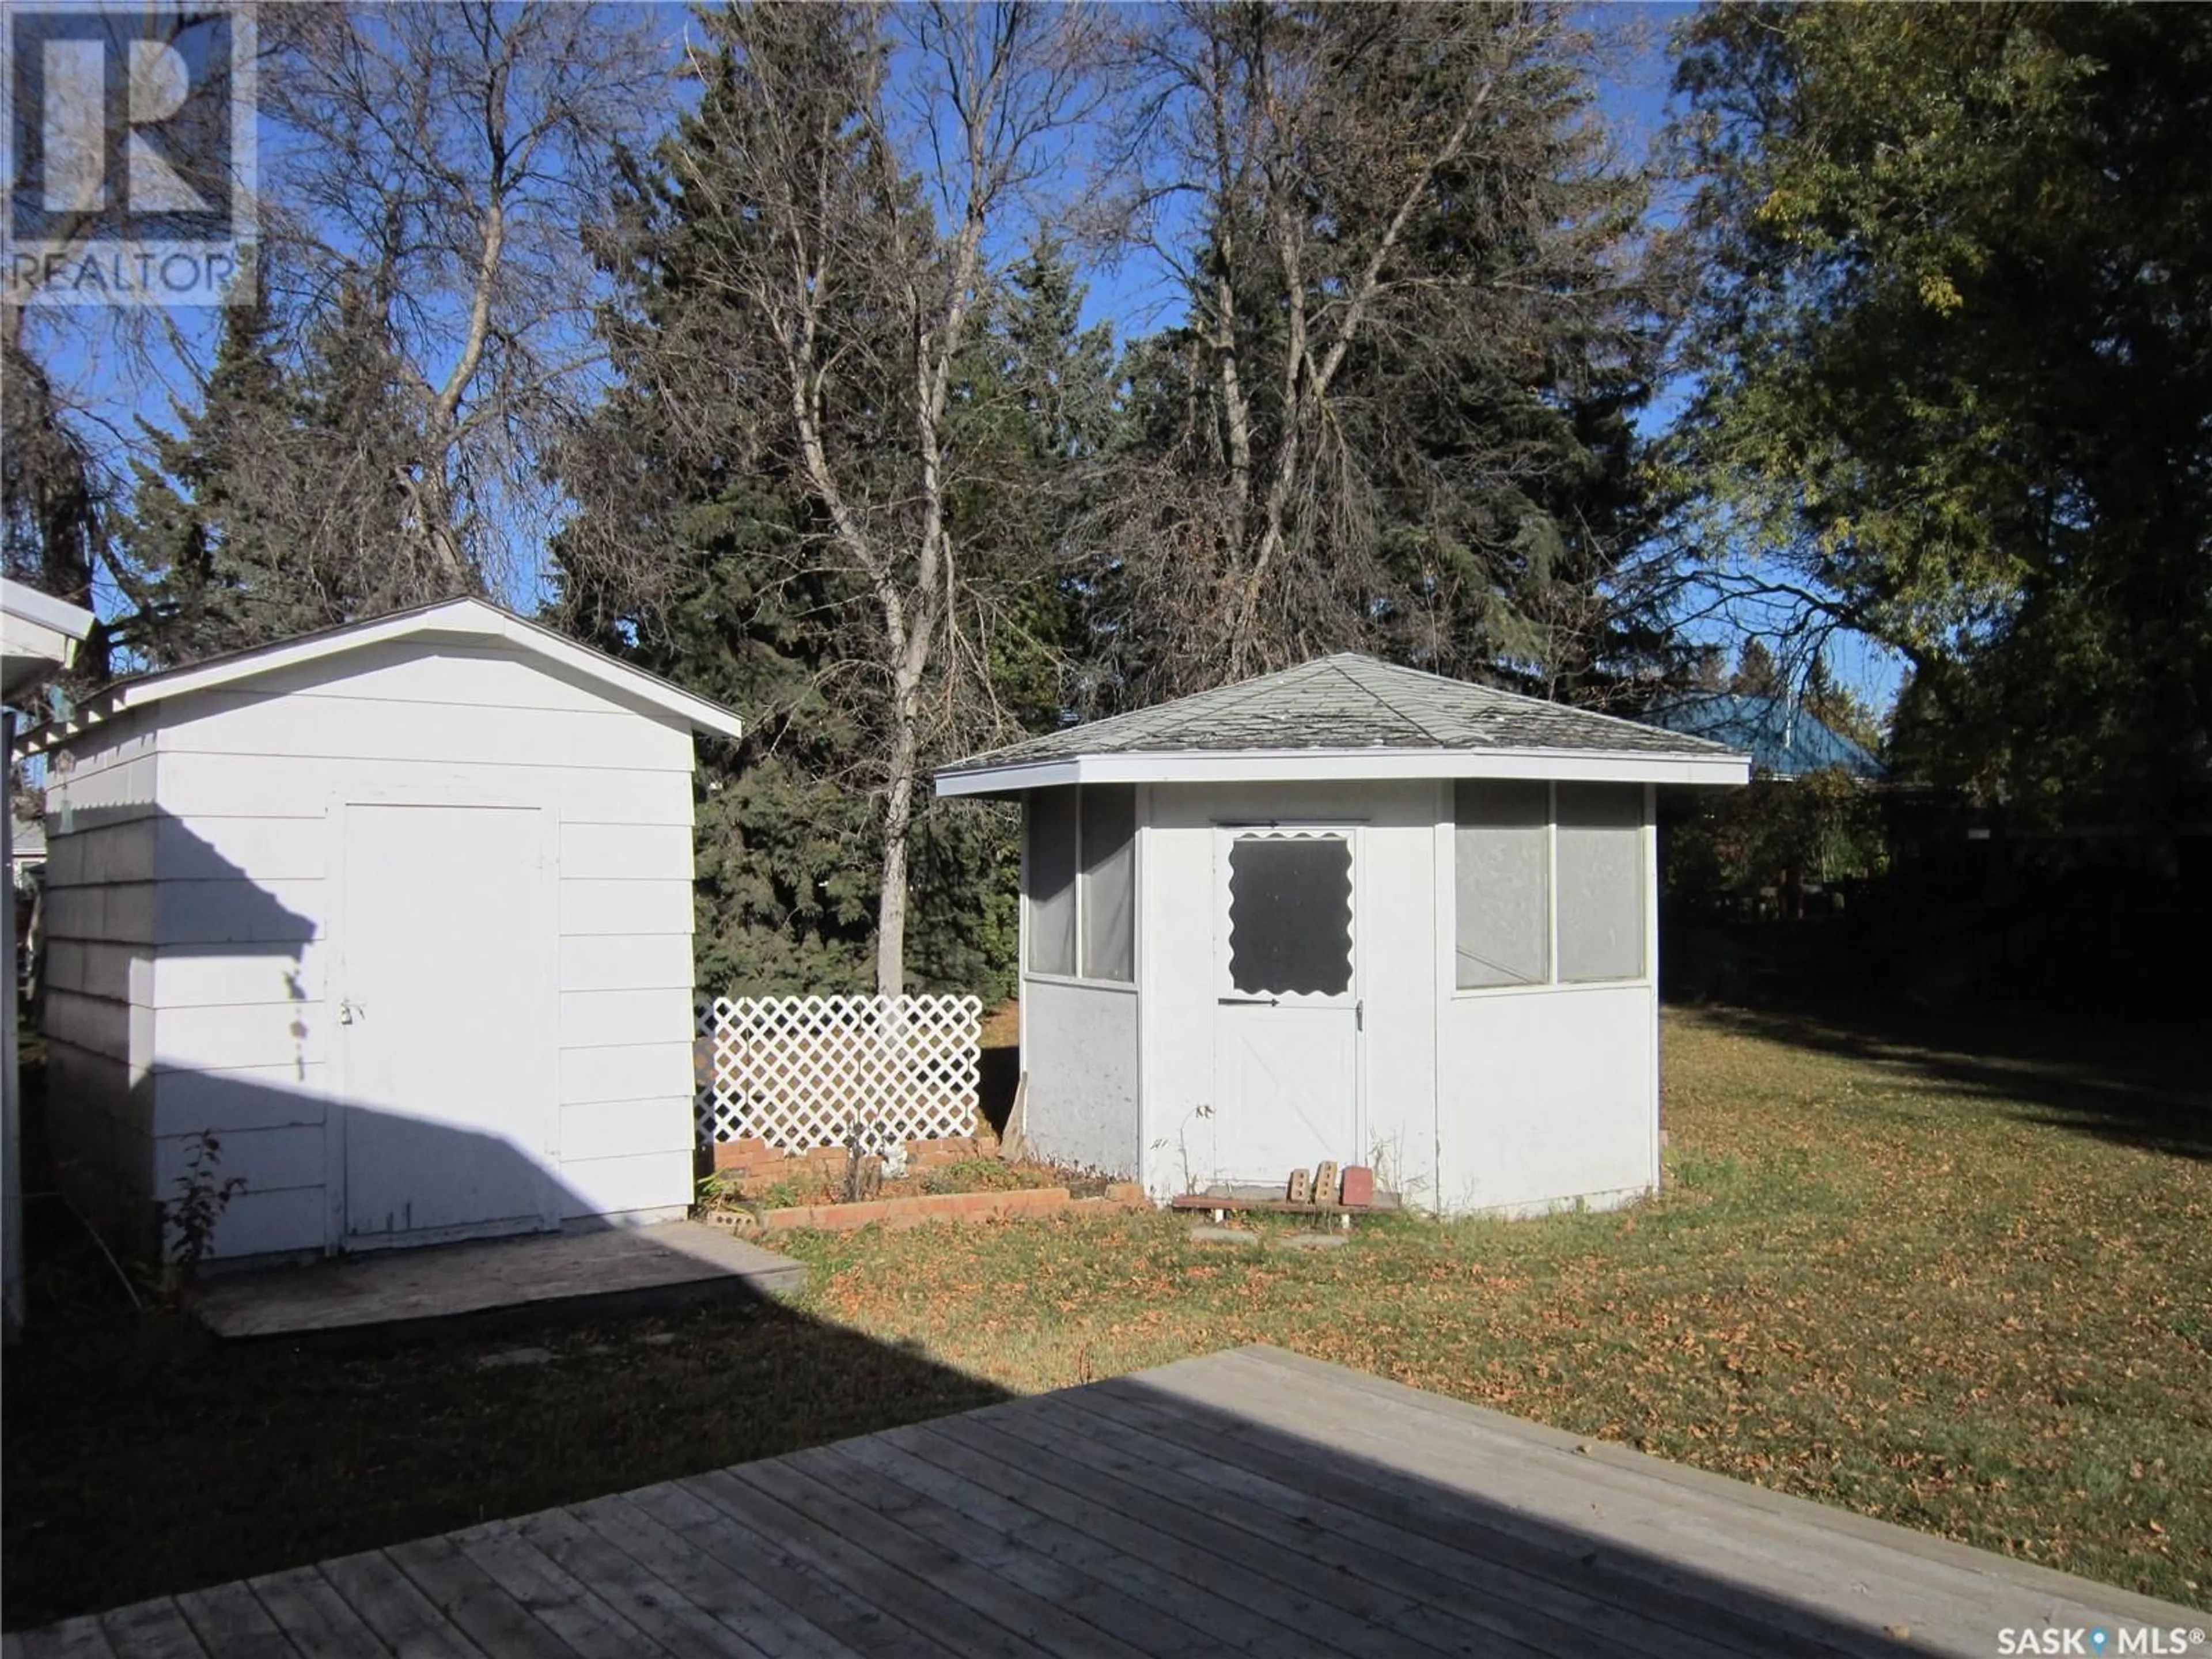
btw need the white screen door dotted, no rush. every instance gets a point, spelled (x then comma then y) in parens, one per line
(445, 1023)
(1286, 1013)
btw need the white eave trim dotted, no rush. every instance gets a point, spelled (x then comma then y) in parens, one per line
(463, 621)
(37, 630)
(1336, 765)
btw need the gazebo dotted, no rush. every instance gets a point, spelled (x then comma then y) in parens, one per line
(1347, 912)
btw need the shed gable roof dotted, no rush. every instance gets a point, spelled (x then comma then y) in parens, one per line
(1347, 716)
(459, 622)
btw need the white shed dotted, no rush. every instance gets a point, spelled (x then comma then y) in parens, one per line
(400, 913)
(1348, 912)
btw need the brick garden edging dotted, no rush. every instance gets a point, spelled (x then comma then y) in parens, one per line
(952, 1206)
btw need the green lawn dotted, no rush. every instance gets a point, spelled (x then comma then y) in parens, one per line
(1971, 1295)
(1964, 1292)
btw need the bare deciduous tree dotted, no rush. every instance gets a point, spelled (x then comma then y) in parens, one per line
(1370, 209)
(431, 167)
(842, 229)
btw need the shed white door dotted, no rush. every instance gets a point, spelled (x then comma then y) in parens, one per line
(445, 1023)
(1286, 1014)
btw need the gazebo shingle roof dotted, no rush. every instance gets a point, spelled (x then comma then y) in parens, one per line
(1348, 702)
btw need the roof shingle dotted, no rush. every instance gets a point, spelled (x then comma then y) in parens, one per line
(1343, 703)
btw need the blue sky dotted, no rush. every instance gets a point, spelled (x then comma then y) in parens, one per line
(120, 389)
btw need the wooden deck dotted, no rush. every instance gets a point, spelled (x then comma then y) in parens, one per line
(1249, 1502)
(672, 1262)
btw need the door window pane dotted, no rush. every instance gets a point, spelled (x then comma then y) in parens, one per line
(1290, 915)
(1052, 881)
(1501, 875)
(1601, 861)
(1109, 863)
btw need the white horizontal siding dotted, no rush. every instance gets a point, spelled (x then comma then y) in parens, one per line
(625, 907)
(93, 794)
(195, 784)
(268, 1223)
(116, 913)
(596, 1019)
(613, 962)
(101, 853)
(625, 851)
(224, 1036)
(184, 976)
(408, 671)
(350, 727)
(119, 973)
(210, 848)
(266, 1160)
(284, 913)
(242, 1098)
(99, 1026)
(618, 1128)
(613, 1186)
(637, 1071)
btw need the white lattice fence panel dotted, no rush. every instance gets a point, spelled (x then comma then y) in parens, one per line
(802, 1072)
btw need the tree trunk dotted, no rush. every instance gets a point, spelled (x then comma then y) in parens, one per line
(898, 820)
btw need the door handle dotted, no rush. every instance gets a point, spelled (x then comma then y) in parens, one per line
(1250, 1002)
(347, 1009)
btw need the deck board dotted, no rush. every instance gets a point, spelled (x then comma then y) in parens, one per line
(397, 1614)
(1484, 1533)
(1522, 1596)
(684, 1561)
(1251, 1502)
(72, 1638)
(659, 1609)
(1732, 1536)
(784, 1583)
(229, 1619)
(1240, 1609)
(315, 1618)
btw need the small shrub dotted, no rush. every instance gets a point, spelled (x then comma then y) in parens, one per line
(975, 1175)
(792, 1191)
(719, 1189)
(864, 1170)
(197, 1210)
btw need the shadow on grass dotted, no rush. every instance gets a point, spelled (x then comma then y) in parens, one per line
(1257, 1505)
(145, 1457)
(2149, 1087)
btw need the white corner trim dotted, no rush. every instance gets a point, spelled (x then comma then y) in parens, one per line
(1334, 765)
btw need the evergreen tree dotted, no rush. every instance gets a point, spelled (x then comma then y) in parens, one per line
(282, 504)
(701, 550)
(1421, 320)
(208, 560)
(1756, 674)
